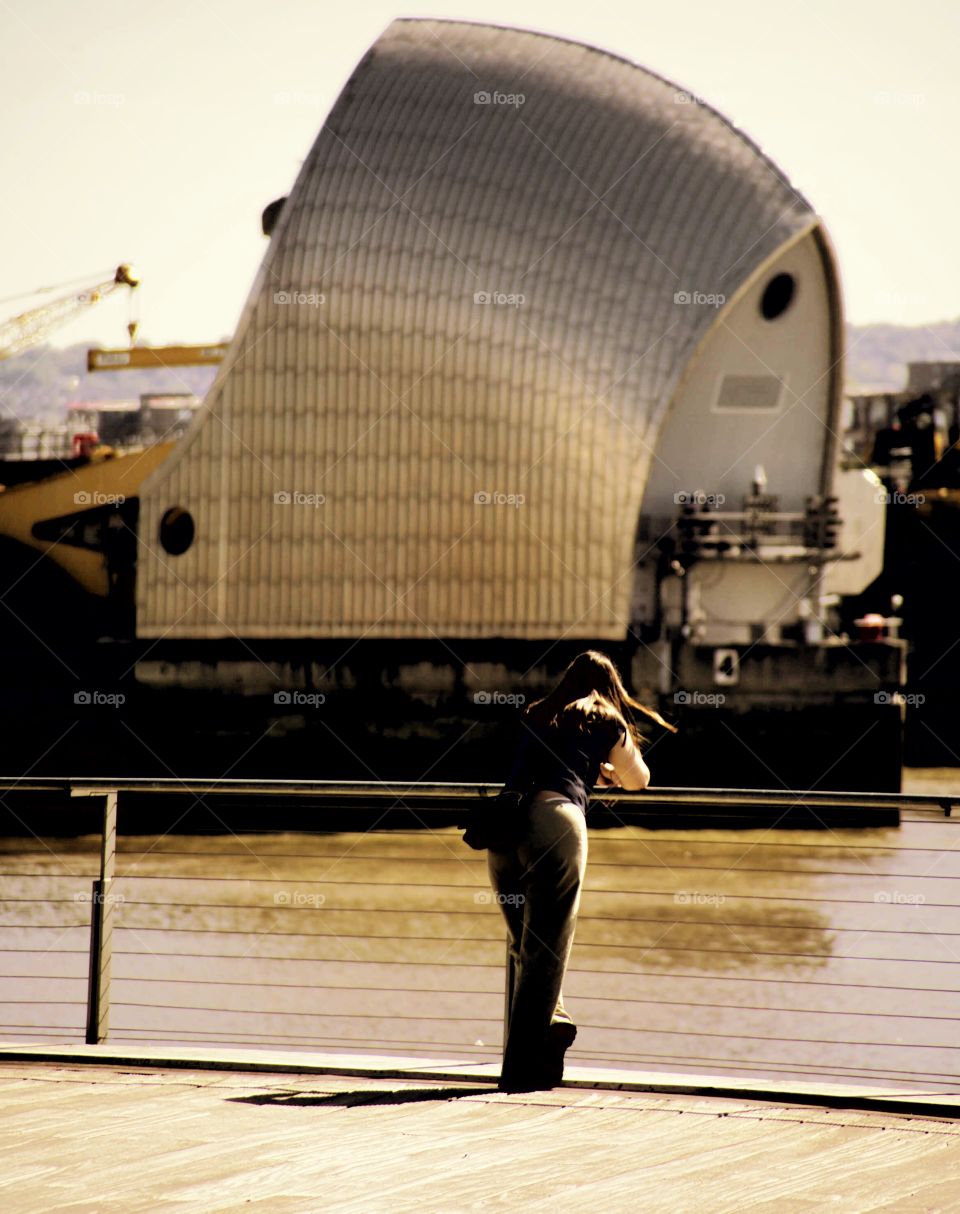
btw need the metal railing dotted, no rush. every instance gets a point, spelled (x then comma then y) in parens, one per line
(709, 937)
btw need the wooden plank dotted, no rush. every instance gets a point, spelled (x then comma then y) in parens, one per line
(220, 1141)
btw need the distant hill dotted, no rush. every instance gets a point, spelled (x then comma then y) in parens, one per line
(40, 383)
(877, 355)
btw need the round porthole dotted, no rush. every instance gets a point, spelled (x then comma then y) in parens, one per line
(176, 530)
(778, 296)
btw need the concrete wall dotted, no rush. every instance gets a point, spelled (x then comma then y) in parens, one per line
(386, 363)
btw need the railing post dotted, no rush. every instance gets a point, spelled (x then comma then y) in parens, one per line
(101, 925)
(508, 988)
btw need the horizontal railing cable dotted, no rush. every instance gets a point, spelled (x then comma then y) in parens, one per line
(780, 899)
(660, 974)
(581, 998)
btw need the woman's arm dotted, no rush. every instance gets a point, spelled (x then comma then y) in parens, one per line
(625, 759)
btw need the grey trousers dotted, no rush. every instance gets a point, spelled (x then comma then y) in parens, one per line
(537, 886)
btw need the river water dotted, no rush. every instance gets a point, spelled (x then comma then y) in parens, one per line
(827, 954)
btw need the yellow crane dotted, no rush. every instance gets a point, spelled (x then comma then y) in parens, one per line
(81, 520)
(22, 331)
(79, 516)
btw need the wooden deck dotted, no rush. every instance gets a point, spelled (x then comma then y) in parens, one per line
(104, 1137)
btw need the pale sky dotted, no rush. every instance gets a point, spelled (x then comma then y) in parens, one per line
(155, 133)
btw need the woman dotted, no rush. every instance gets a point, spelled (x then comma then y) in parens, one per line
(584, 724)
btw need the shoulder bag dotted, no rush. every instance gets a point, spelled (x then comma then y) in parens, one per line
(498, 823)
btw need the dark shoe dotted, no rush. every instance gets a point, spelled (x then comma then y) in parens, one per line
(561, 1036)
(539, 1082)
(549, 1074)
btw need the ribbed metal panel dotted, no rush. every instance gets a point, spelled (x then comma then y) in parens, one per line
(400, 398)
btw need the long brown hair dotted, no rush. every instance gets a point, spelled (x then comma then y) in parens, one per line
(591, 688)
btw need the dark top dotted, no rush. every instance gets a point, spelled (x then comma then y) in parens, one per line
(562, 758)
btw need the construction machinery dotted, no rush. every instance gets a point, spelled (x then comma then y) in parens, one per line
(27, 328)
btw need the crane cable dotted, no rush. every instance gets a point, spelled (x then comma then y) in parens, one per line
(20, 332)
(99, 276)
